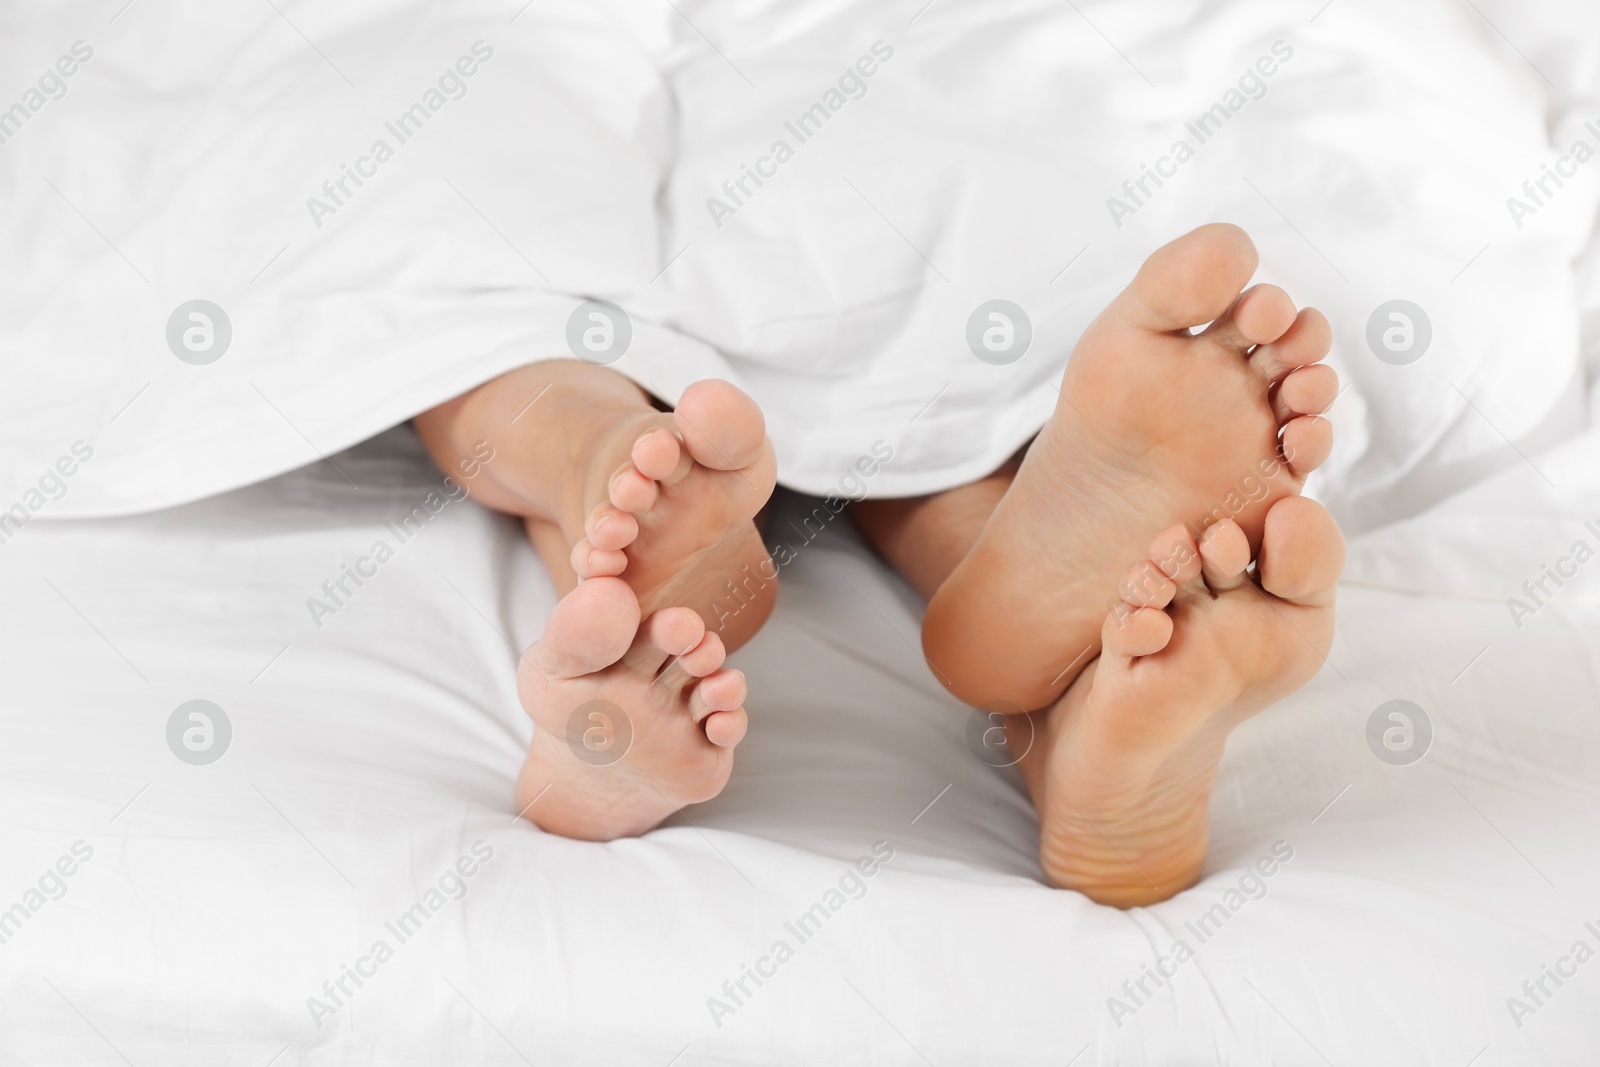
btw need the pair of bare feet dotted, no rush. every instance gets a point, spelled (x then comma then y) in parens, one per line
(1187, 448)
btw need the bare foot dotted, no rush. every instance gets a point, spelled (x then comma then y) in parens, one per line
(1122, 767)
(608, 485)
(632, 721)
(1155, 426)
(668, 505)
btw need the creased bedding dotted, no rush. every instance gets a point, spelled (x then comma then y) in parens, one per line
(1405, 907)
(996, 151)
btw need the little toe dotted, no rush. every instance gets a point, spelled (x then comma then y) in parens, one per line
(1306, 391)
(1307, 341)
(656, 455)
(588, 630)
(1129, 633)
(1175, 554)
(1224, 556)
(725, 729)
(631, 491)
(1306, 443)
(590, 562)
(722, 690)
(722, 427)
(1144, 586)
(1262, 315)
(666, 633)
(1302, 552)
(1190, 281)
(609, 528)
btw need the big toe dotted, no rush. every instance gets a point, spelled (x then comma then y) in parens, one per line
(1192, 280)
(590, 629)
(721, 426)
(1302, 551)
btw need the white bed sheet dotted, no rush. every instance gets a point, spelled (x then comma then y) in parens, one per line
(369, 755)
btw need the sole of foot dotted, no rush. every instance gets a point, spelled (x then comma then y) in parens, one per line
(1156, 425)
(1123, 765)
(668, 505)
(633, 719)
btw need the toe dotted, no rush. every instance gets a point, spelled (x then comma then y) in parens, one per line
(1262, 315)
(1224, 556)
(666, 633)
(701, 661)
(631, 491)
(1129, 634)
(1144, 586)
(1306, 443)
(1306, 391)
(656, 455)
(726, 728)
(590, 562)
(1190, 281)
(721, 690)
(608, 528)
(1307, 341)
(589, 630)
(1302, 552)
(721, 426)
(1175, 554)
(703, 658)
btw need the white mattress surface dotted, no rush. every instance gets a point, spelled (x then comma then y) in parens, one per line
(370, 755)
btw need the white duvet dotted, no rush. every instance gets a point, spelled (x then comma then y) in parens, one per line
(520, 164)
(347, 883)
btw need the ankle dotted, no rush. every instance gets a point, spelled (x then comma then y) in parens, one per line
(543, 427)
